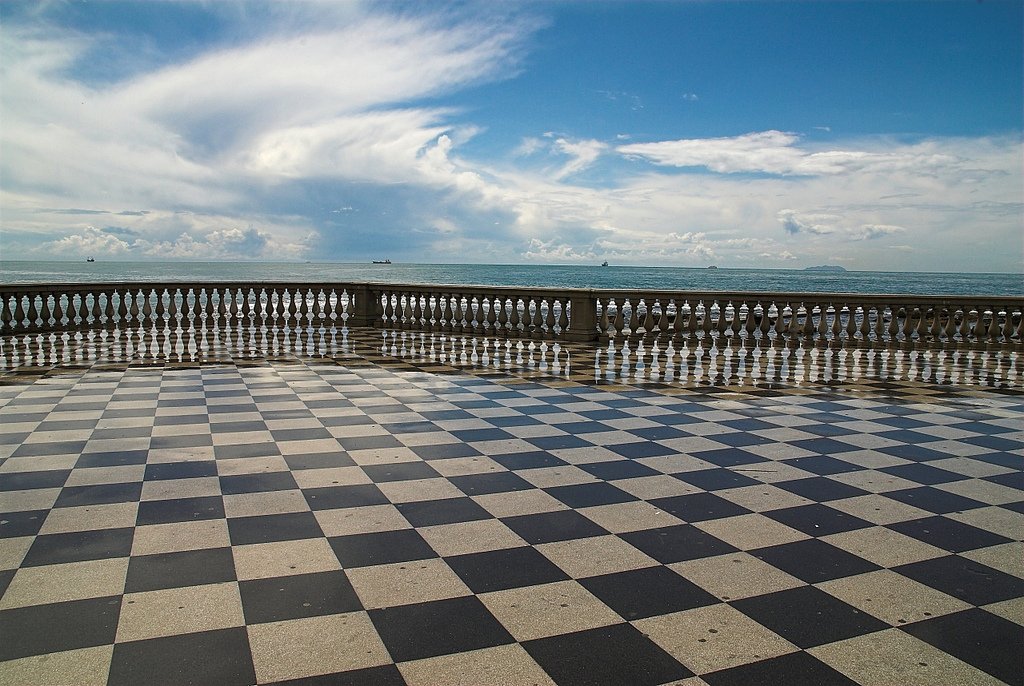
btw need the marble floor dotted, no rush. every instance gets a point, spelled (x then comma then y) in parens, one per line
(378, 513)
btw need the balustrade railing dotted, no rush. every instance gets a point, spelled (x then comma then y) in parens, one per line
(537, 313)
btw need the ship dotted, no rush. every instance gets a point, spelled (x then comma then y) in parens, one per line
(382, 261)
(605, 263)
(89, 259)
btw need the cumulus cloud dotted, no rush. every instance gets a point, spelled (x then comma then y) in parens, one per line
(869, 232)
(818, 224)
(333, 137)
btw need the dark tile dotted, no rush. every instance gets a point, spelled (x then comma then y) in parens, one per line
(412, 427)
(471, 435)
(740, 439)
(319, 460)
(728, 457)
(677, 543)
(210, 657)
(808, 616)
(514, 420)
(41, 629)
(590, 495)
(412, 632)
(823, 465)
(344, 420)
(182, 441)
(257, 483)
(20, 481)
(369, 442)
(559, 442)
(444, 451)
(119, 458)
(995, 442)
(821, 489)
(238, 427)
(498, 570)
(699, 507)
(336, 497)
(647, 592)
(79, 546)
(814, 560)
(100, 494)
(792, 669)
(716, 479)
(965, 579)
(613, 470)
(916, 453)
(124, 432)
(175, 570)
(548, 527)
(948, 534)
(302, 595)
(385, 675)
(823, 446)
(817, 519)
(822, 428)
(26, 523)
(612, 655)
(658, 433)
(290, 526)
(306, 434)
(201, 420)
(531, 459)
(5, 580)
(1001, 459)
(180, 510)
(979, 638)
(923, 473)
(180, 470)
(363, 550)
(642, 449)
(495, 482)
(49, 448)
(1011, 480)
(229, 452)
(934, 500)
(447, 511)
(400, 471)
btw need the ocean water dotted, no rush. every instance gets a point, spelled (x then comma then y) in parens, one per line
(661, 278)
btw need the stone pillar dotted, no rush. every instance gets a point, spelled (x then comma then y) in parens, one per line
(583, 322)
(361, 310)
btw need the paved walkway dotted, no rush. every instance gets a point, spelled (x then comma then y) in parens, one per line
(373, 519)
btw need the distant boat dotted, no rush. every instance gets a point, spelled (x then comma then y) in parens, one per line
(605, 263)
(712, 267)
(382, 261)
(89, 259)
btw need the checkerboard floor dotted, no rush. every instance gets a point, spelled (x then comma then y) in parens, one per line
(366, 519)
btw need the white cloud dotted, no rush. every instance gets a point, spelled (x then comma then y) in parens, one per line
(777, 152)
(818, 224)
(872, 231)
(583, 153)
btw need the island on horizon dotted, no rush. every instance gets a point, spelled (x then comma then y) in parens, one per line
(825, 268)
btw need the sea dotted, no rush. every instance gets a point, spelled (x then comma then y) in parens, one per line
(556, 276)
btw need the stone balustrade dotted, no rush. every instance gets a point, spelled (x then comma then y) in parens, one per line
(538, 313)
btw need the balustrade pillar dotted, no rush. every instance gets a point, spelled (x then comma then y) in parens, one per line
(582, 309)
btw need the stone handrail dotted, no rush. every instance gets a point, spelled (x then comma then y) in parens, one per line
(542, 313)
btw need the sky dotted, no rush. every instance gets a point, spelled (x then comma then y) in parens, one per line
(870, 135)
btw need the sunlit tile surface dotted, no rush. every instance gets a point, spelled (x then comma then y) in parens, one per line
(387, 508)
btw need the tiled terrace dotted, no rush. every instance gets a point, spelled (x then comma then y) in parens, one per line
(383, 515)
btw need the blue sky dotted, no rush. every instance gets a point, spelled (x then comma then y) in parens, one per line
(873, 135)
